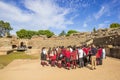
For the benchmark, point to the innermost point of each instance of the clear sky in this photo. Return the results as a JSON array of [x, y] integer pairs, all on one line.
[[58, 15]]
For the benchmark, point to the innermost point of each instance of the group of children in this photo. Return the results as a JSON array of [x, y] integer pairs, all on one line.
[[72, 57]]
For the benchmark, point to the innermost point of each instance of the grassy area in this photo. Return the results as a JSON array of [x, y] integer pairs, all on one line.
[[6, 59]]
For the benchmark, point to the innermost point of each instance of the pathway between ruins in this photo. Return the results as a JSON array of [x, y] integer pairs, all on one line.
[[32, 70]]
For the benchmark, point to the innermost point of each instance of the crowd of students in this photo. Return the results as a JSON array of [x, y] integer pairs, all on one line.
[[72, 57]]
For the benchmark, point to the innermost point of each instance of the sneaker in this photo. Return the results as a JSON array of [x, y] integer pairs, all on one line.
[[68, 68]]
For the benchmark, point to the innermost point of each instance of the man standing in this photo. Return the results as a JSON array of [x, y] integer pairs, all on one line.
[[93, 56]]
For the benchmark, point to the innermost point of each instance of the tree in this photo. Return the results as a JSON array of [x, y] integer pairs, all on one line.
[[71, 32], [5, 28], [94, 29], [28, 33], [22, 33], [114, 25], [62, 33], [31, 33], [48, 33]]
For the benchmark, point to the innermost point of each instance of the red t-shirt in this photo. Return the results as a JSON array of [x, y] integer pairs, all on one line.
[[53, 57], [74, 55], [63, 51], [99, 53], [86, 50], [67, 54]]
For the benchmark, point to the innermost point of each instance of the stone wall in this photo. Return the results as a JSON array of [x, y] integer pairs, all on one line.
[[51, 42], [113, 52], [108, 40], [100, 37]]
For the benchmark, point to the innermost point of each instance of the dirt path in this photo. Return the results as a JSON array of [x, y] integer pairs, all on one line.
[[31, 70]]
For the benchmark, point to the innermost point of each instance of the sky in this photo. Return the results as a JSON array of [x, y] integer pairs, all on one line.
[[59, 15]]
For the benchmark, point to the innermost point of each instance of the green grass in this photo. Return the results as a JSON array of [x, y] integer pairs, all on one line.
[[6, 59]]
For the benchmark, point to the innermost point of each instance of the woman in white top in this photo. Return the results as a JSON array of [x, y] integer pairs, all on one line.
[[103, 53], [81, 54], [44, 57]]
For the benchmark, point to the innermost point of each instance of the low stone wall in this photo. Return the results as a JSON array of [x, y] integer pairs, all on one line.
[[113, 52], [33, 51], [5, 52], [108, 40]]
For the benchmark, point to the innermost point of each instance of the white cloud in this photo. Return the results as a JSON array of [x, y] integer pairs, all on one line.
[[85, 24], [103, 25], [107, 9], [12, 13], [87, 21], [100, 12], [45, 14]]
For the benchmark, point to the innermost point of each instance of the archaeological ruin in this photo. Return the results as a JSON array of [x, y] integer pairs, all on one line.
[[110, 38]]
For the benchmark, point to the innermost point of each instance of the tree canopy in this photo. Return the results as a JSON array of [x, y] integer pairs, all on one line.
[[48, 33], [94, 29], [63, 33], [5, 28], [71, 32], [114, 25], [28, 33]]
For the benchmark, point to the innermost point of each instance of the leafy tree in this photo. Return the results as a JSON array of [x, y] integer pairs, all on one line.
[[71, 32], [22, 33], [28, 33], [5, 28], [94, 29], [114, 25], [48, 33], [31, 33], [62, 33]]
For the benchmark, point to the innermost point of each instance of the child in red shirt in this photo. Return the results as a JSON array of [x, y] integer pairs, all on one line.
[[67, 57], [99, 55], [53, 57], [74, 56]]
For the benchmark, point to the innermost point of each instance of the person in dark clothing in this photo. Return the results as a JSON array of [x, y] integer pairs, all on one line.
[[44, 57], [93, 57]]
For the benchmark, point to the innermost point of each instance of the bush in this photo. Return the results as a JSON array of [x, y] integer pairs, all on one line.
[[114, 25], [71, 32]]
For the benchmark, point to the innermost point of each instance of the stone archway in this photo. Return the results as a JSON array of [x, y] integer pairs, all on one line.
[[22, 45]]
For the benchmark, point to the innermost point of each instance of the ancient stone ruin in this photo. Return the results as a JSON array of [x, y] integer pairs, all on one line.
[[107, 37]]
